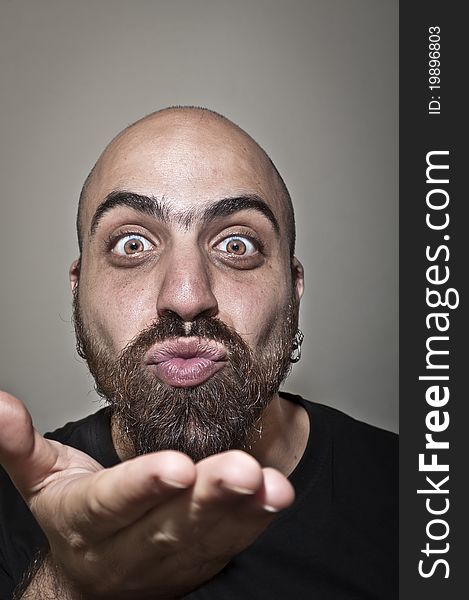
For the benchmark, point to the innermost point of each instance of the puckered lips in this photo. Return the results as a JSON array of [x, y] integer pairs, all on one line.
[[186, 361]]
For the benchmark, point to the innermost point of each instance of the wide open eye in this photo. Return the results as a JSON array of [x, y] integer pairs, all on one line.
[[237, 245], [131, 244]]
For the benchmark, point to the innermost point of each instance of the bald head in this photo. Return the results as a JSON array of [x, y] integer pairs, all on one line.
[[183, 136]]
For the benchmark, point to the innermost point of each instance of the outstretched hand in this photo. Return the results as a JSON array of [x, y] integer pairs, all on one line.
[[154, 526]]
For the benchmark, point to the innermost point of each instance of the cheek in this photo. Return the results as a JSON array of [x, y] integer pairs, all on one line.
[[117, 311], [252, 309]]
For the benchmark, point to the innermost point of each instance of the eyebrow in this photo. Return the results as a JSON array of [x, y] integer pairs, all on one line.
[[156, 208]]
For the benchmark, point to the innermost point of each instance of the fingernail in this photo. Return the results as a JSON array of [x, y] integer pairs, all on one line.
[[238, 489], [270, 509], [172, 483]]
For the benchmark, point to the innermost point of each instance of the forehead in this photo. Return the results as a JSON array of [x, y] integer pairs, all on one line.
[[188, 162]]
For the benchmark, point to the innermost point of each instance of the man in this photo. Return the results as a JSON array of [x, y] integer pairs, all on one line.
[[186, 298]]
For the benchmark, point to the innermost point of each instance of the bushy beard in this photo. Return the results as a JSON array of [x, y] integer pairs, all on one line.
[[222, 413]]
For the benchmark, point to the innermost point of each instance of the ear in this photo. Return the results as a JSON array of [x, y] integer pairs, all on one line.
[[74, 274], [298, 278]]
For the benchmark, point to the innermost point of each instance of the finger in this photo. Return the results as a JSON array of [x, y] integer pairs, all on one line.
[[276, 492], [26, 455], [230, 528], [236, 473], [227, 475], [223, 480], [230, 504], [232, 521], [115, 498]]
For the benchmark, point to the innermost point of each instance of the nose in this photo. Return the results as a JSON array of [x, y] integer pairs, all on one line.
[[187, 287]]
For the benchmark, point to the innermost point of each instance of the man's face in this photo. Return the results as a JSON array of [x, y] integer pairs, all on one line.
[[192, 291]]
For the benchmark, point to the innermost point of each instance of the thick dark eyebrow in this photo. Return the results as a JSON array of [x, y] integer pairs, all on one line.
[[144, 204], [156, 208], [229, 206]]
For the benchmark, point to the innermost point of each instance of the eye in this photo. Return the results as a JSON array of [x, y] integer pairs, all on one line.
[[237, 246], [131, 244]]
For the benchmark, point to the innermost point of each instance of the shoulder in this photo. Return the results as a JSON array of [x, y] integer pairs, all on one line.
[[344, 428], [363, 456], [355, 435], [351, 508]]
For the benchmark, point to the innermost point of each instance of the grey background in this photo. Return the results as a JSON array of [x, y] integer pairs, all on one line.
[[315, 82]]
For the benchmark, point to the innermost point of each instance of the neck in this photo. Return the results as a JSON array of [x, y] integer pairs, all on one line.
[[284, 435]]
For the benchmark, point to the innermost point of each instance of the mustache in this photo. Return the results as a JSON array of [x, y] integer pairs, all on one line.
[[171, 326]]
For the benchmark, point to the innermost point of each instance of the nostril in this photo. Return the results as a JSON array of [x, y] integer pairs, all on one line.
[[188, 316], [187, 290], [187, 307]]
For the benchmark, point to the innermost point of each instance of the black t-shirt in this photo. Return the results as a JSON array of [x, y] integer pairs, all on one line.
[[337, 541]]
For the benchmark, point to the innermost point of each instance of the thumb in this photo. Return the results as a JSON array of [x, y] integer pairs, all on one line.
[[24, 453]]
